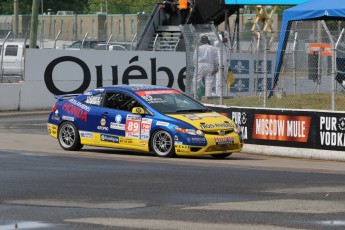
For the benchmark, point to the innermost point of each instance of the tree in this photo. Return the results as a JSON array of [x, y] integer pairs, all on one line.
[[122, 6], [79, 6]]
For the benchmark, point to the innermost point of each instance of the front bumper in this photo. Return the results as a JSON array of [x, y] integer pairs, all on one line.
[[215, 145]]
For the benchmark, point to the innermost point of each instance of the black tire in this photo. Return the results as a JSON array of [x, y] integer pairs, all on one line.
[[221, 156], [68, 137], [162, 144]]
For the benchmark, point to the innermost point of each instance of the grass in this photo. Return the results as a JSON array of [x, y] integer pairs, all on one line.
[[300, 101]]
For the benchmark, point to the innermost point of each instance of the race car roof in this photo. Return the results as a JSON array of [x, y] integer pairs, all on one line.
[[136, 87]]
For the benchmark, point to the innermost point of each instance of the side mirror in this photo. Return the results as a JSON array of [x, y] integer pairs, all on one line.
[[138, 110]]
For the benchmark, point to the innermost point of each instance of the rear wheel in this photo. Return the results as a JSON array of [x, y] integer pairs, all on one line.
[[162, 144], [68, 137], [220, 156]]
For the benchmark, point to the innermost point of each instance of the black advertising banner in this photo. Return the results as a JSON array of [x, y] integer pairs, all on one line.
[[301, 129], [330, 131]]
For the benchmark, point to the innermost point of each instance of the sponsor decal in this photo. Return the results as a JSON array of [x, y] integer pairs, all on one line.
[[80, 105], [162, 123], [153, 100], [332, 131], [196, 140], [281, 127], [175, 138], [125, 140], [109, 138], [118, 118], [224, 140], [85, 134], [178, 143], [204, 115], [102, 127], [94, 100], [192, 117], [214, 126], [146, 124], [67, 118], [76, 111], [182, 148], [142, 143], [117, 126], [55, 116], [152, 92], [133, 126], [103, 122]]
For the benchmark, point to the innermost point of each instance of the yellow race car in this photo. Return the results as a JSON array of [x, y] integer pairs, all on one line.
[[142, 117]]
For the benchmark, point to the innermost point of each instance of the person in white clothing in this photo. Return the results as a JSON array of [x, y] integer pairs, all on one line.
[[223, 54], [207, 59]]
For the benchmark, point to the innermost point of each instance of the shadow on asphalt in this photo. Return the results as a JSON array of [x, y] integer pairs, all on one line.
[[234, 156]]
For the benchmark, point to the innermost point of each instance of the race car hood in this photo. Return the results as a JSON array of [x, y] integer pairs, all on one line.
[[206, 121]]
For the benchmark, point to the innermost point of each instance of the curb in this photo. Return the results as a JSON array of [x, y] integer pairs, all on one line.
[[23, 113]]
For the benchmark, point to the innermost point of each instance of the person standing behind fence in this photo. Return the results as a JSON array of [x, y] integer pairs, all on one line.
[[170, 9], [184, 7], [223, 54], [207, 59]]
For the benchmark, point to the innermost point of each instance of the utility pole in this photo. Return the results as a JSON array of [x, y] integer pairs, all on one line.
[[34, 23], [15, 19]]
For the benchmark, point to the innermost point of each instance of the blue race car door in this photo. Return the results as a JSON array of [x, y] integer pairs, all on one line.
[[120, 125]]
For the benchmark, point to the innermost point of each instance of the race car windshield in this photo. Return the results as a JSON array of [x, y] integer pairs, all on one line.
[[174, 103]]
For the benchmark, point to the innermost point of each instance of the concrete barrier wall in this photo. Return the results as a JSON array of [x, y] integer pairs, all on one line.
[[50, 72], [10, 96]]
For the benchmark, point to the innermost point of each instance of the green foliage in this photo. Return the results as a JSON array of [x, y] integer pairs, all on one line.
[[122, 6], [81, 6]]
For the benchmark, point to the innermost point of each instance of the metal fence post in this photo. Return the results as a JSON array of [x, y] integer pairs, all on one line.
[[257, 63], [2, 55], [294, 67], [333, 63], [221, 64], [264, 63], [196, 69], [336, 48]]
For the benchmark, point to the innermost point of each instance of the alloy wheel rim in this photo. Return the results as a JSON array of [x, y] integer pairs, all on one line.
[[162, 143], [67, 136]]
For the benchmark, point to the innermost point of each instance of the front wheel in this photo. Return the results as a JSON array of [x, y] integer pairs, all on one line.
[[162, 144], [68, 137], [220, 156]]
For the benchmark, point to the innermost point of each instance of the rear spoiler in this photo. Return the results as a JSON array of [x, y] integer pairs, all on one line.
[[65, 96]]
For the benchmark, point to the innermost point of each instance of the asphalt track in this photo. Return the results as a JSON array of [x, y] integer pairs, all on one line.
[[44, 187]]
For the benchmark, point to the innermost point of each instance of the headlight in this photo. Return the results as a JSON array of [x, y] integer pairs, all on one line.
[[194, 132]]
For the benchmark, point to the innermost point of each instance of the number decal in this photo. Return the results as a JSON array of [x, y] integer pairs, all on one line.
[[133, 123], [132, 126]]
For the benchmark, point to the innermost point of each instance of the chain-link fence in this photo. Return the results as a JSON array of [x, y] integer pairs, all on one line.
[[311, 73], [312, 68], [206, 58]]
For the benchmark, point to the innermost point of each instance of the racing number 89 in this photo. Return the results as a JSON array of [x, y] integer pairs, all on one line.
[[132, 126]]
